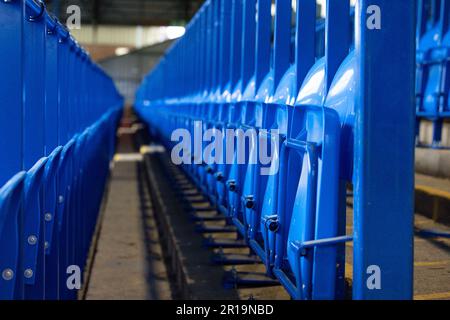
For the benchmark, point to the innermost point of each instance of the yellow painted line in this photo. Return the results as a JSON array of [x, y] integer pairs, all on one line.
[[433, 296], [423, 222], [127, 157], [349, 267], [433, 191], [441, 239], [432, 263], [143, 150], [416, 240], [348, 270]]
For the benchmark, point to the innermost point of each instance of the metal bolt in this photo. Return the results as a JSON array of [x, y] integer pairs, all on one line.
[[249, 202], [48, 217], [46, 244], [28, 273], [219, 176], [273, 226], [7, 274], [32, 240], [61, 199], [231, 185]]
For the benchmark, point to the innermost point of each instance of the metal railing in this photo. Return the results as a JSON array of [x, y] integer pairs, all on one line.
[[433, 61], [345, 119], [59, 116]]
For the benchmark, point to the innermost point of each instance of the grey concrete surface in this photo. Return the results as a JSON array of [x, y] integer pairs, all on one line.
[[432, 198], [433, 162], [132, 261], [128, 264]]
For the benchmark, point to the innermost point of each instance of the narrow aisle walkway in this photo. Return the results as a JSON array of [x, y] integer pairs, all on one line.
[[128, 263]]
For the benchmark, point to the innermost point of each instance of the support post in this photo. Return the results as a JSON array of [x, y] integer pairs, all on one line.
[[11, 14], [384, 150]]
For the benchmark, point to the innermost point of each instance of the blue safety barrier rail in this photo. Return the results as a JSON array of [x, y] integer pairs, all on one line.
[[344, 119], [433, 61], [59, 114]]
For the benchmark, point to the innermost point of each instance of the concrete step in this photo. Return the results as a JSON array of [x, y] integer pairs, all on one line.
[[432, 198]]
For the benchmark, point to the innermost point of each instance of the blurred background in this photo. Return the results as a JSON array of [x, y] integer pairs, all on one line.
[[127, 37]]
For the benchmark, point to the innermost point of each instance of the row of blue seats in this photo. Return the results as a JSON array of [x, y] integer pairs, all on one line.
[[433, 61], [292, 219], [59, 116], [335, 129]]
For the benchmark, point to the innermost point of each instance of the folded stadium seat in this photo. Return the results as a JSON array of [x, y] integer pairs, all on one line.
[[432, 59], [10, 210], [231, 70], [63, 216], [309, 166], [444, 107], [236, 72], [260, 189], [209, 88], [259, 89], [295, 219], [31, 279], [36, 214], [307, 209]]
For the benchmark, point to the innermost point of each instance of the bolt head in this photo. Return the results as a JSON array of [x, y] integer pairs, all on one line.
[[46, 244], [7, 274], [28, 273], [273, 226], [60, 199], [48, 217], [32, 240]]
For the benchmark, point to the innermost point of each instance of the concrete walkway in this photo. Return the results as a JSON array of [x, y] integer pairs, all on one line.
[[128, 264]]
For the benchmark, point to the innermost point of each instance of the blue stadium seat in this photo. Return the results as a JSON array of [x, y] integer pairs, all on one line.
[[321, 101], [57, 143], [433, 54]]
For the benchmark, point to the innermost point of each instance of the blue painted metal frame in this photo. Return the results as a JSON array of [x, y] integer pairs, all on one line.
[[384, 127], [11, 90], [57, 142], [433, 56], [335, 129]]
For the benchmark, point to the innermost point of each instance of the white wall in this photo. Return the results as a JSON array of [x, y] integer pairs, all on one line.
[[129, 36]]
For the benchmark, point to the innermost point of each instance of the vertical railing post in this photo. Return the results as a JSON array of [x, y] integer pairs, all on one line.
[[11, 14], [62, 84], [248, 41], [337, 37], [263, 47], [216, 44], [33, 94], [236, 43], [209, 45], [304, 39], [282, 40], [435, 11], [225, 42], [421, 22], [384, 150]]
